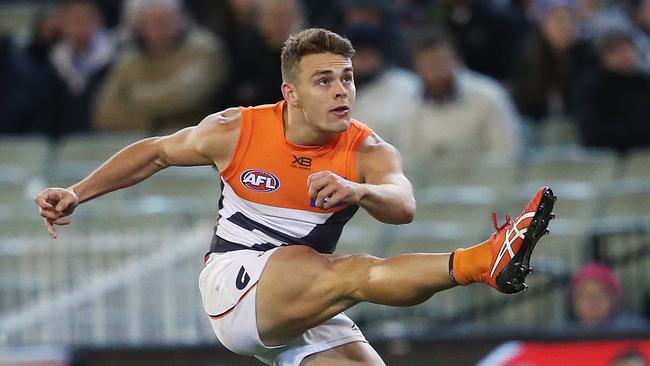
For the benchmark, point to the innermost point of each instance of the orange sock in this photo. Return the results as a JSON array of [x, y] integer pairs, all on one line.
[[469, 263]]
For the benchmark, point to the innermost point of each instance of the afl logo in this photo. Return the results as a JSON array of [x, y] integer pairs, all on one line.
[[259, 180]]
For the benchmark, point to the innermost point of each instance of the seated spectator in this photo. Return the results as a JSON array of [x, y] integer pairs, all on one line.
[[168, 80], [632, 17], [552, 64], [381, 15], [597, 300], [256, 58], [487, 33], [461, 113], [385, 94], [80, 61], [15, 103], [615, 109], [46, 32]]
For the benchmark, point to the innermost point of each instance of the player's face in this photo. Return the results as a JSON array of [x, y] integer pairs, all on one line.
[[325, 91]]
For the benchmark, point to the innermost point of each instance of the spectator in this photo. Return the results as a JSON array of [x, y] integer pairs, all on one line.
[[80, 61], [597, 299], [378, 14], [15, 102], [170, 78], [615, 109], [462, 113], [46, 32], [487, 35], [385, 94], [633, 17], [232, 19], [552, 65], [256, 58]]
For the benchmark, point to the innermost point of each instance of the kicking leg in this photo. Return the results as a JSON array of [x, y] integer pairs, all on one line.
[[301, 288]]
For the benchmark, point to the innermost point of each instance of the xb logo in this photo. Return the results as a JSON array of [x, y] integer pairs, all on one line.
[[242, 279], [301, 162]]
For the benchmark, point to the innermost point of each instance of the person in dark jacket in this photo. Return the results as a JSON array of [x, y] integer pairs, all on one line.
[[615, 108]]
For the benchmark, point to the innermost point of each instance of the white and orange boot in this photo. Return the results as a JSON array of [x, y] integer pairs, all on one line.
[[503, 261]]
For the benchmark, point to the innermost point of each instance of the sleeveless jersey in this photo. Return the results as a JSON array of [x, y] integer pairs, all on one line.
[[265, 200]]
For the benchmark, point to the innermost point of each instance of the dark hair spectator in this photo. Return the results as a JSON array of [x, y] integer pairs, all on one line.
[[381, 15], [552, 64], [615, 106], [16, 105], [487, 35], [80, 61], [168, 80], [385, 93], [460, 113], [255, 77]]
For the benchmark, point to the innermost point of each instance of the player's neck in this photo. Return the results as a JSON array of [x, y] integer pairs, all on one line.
[[298, 130]]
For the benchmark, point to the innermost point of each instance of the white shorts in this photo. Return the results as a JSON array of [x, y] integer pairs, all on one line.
[[228, 286]]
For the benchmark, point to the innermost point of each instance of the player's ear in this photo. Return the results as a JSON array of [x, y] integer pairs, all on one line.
[[289, 93]]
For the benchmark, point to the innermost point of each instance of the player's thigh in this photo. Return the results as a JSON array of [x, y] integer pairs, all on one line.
[[350, 354], [301, 288]]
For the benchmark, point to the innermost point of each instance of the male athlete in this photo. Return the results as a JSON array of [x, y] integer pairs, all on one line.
[[292, 174]]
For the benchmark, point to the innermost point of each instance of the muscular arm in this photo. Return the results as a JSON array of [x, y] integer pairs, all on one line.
[[386, 193], [211, 142]]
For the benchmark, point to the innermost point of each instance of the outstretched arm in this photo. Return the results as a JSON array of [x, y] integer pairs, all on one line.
[[211, 142], [385, 192]]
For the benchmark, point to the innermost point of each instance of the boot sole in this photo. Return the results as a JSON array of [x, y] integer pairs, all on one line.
[[512, 278]]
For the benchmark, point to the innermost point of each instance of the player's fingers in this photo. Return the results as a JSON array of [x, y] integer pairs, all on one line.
[[334, 199], [65, 202], [61, 221], [41, 201], [324, 195], [50, 228], [316, 176], [316, 186], [49, 213]]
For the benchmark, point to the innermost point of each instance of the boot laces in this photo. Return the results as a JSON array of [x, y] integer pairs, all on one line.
[[496, 222]]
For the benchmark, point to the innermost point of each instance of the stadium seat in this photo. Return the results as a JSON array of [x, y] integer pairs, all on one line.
[[571, 164], [22, 157], [637, 164]]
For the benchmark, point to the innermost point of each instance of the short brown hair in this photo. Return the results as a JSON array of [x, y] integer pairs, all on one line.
[[311, 41]]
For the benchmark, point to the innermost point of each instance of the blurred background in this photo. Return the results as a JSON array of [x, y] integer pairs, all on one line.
[[486, 99]]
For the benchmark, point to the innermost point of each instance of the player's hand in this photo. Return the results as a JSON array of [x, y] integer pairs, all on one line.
[[329, 190], [53, 205]]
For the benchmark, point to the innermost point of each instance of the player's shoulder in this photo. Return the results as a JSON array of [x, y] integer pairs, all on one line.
[[217, 129], [374, 144], [225, 120]]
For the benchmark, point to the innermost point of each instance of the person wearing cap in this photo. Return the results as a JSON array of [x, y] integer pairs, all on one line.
[[597, 299]]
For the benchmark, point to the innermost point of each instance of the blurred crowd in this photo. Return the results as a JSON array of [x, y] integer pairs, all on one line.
[[434, 77]]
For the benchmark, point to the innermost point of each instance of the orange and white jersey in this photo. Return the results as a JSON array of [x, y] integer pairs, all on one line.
[[265, 199]]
